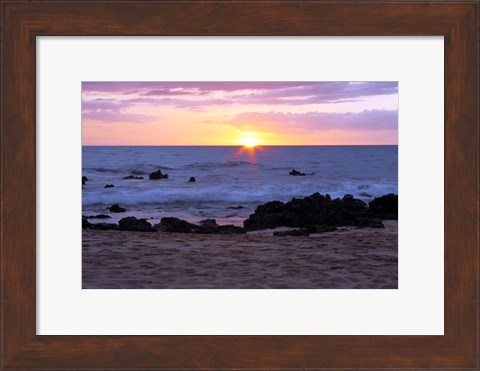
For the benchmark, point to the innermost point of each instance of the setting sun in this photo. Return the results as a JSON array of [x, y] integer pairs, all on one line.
[[249, 142]]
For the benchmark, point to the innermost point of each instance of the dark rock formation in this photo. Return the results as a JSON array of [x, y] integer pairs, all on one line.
[[158, 175], [131, 223], [171, 224], [314, 212], [210, 226], [109, 186], [84, 180], [99, 216], [85, 223], [296, 173], [104, 226], [192, 179], [369, 223], [132, 177], [385, 207], [115, 208], [207, 226], [98, 226], [236, 207]]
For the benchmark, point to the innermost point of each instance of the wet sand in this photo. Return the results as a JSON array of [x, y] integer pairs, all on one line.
[[348, 258]]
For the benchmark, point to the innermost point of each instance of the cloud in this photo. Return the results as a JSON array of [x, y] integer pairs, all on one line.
[[170, 92], [107, 110], [310, 122], [202, 94], [321, 92]]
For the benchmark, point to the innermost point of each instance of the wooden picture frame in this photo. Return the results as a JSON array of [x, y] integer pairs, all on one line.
[[23, 21]]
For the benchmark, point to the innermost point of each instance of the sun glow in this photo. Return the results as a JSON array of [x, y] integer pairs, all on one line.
[[249, 142]]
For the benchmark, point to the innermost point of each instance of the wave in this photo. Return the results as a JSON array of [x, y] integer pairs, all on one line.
[[137, 170], [228, 195], [226, 164]]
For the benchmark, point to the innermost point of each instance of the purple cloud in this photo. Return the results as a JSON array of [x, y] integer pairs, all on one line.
[[311, 122], [163, 92], [291, 93], [322, 92], [107, 110]]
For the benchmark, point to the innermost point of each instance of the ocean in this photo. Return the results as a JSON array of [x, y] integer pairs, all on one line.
[[230, 181]]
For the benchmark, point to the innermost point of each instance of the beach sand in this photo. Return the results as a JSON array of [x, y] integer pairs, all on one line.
[[348, 258]]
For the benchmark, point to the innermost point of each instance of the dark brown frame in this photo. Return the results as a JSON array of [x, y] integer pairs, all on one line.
[[22, 21]]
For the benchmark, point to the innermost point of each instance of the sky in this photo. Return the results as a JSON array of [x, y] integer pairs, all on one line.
[[239, 113]]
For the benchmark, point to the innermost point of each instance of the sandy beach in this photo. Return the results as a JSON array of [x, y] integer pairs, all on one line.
[[349, 258]]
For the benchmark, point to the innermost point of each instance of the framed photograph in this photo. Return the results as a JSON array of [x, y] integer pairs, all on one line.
[[217, 219], [264, 185]]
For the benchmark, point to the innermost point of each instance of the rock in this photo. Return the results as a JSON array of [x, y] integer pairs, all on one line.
[[293, 232], [85, 223], [314, 210], [131, 223], [133, 177], [171, 224], [296, 173], [353, 204], [158, 175], [84, 180], [109, 186], [99, 216], [192, 179], [385, 207], [208, 226], [369, 223], [104, 226], [115, 208], [236, 207]]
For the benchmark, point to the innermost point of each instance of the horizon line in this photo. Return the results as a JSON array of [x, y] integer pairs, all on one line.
[[232, 145]]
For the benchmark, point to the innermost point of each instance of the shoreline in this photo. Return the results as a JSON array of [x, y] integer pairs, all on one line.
[[315, 213]]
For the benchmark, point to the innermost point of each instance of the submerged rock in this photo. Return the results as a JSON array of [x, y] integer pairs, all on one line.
[[131, 223], [109, 186], [115, 208], [192, 179], [296, 173], [132, 177], [158, 175], [236, 207]]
